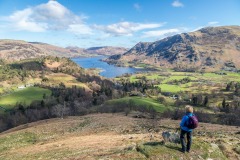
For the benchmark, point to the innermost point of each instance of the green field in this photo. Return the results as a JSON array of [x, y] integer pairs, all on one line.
[[199, 82], [26, 95], [1, 90], [141, 101], [171, 88]]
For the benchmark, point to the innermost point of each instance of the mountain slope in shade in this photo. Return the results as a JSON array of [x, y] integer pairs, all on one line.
[[210, 48], [75, 49], [107, 50]]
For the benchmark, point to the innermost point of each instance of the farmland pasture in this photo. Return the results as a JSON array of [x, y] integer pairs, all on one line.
[[139, 101], [198, 82], [66, 79], [187, 84], [171, 88], [26, 95]]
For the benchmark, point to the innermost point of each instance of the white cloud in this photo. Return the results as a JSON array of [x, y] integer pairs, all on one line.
[[213, 23], [198, 28], [177, 3], [209, 24], [160, 33], [48, 16], [19, 20], [80, 29], [126, 28], [137, 6]]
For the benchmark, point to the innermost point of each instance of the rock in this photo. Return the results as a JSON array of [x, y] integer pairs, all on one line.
[[171, 137], [200, 157]]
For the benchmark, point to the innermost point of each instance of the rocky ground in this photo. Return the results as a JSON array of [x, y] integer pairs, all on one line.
[[114, 136]]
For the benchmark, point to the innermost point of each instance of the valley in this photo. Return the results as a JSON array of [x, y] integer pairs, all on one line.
[[69, 105], [119, 80]]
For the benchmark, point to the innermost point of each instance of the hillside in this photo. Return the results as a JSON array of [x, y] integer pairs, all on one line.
[[77, 50], [209, 49], [104, 50], [12, 50], [107, 50], [17, 50], [108, 136]]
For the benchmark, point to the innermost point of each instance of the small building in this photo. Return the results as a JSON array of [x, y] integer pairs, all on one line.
[[175, 97], [21, 87]]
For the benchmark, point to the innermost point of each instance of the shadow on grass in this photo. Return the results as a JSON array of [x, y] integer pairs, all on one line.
[[153, 143], [177, 148], [173, 147], [168, 145]]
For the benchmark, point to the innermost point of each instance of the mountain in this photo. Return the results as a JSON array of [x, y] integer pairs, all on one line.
[[75, 49], [211, 48], [17, 50], [106, 50], [103, 50], [12, 50], [59, 51]]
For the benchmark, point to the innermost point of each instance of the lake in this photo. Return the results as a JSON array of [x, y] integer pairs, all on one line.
[[107, 70]]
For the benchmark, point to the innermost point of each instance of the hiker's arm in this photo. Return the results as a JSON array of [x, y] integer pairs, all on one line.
[[183, 121]]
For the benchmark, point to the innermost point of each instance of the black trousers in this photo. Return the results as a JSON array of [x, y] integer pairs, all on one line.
[[189, 140]]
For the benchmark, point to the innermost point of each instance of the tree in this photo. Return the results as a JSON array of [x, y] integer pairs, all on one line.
[[44, 95], [205, 102], [194, 100], [224, 103], [153, 112], [228, 87], [42, 103]]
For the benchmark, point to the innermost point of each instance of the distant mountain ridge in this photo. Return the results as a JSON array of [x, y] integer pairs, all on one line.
[[107, 50], [211, 48], [12, 50]]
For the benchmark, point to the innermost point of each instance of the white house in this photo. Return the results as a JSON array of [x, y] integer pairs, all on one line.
[[21, 87]]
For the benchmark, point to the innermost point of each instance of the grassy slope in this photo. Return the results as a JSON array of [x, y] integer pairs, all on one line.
[[26, 95], [139, 101], [68, 80], [170, 88], [107, 136], [34, 93]]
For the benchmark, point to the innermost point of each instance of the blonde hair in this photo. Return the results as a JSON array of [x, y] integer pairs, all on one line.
[[189, 108]]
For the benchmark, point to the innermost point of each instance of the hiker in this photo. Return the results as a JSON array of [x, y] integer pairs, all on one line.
[[188, 123]]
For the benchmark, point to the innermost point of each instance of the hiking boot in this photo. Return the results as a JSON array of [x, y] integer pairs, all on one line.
[[183, 151]]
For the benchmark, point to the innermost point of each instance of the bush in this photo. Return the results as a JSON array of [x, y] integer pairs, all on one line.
[[161, 100], [237, 149]]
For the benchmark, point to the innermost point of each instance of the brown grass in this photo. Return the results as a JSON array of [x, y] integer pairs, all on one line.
[[106, 136]]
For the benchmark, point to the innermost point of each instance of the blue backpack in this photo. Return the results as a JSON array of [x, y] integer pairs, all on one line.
[[192, 122]]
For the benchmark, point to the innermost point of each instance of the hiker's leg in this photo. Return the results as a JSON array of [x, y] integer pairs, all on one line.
[[183, 140], [189, 140]]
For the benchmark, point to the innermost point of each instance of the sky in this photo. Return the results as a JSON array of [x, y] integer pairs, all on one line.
[[89, 23]]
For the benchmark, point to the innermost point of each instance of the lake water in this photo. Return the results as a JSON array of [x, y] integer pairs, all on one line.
[[109, 71]]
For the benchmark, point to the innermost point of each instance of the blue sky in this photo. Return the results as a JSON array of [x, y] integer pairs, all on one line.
[[87, 23]]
